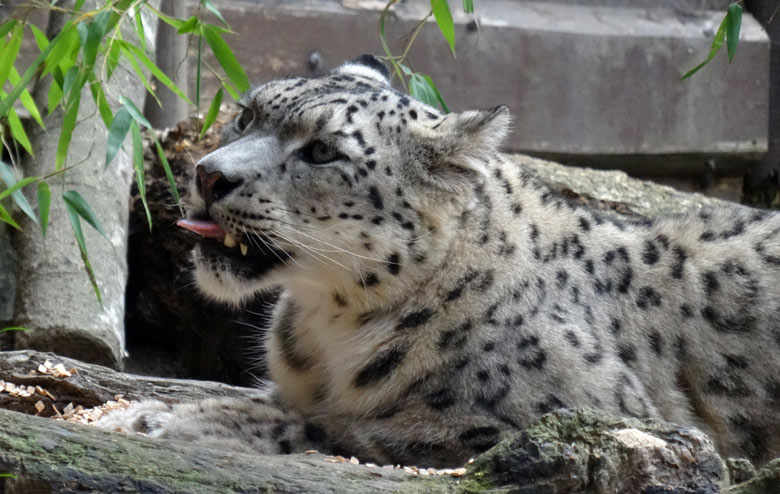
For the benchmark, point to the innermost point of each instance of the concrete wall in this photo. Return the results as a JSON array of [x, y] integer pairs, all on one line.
[[591, 84]]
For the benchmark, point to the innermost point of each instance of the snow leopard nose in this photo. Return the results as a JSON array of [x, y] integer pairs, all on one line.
[[213, 186]]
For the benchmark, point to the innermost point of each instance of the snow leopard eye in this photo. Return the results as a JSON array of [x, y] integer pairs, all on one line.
[[245, 119], [320, 153]]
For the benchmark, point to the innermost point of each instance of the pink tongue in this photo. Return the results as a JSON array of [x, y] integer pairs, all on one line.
[[205, 228]]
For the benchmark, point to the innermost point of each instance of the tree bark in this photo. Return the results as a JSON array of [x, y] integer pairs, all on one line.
[[54, 298], [171, 49]]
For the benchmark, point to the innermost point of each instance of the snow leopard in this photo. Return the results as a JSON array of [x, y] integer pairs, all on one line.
[[437, 297]]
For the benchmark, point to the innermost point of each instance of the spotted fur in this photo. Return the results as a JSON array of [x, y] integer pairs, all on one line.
[[437, 297]]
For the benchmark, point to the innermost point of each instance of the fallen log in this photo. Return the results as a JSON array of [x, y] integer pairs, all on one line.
[[563, 452]]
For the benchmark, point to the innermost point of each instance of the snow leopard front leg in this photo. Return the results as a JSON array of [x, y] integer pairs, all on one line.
[[258, 425]]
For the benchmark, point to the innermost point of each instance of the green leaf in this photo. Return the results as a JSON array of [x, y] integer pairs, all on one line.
[[6, 218], [5, 330], [443, 16], [6, 27], [138, 165], [117, 133], [66, 132], [27, 102], [44, 203], [55, 96], [226, 58], [7, 175], [171, 21], [91, 35], [468, 6], [17, 131], [155, 70], [62, 47], [9, 100], [9, 52], [135, 112], [139, 27], [18, 185], [141, 76], [74, 201], [112, 59], [419, 88], [438, 94], [717, 42], [7, 475], [168, 173], [211, 116], [99, 97], [75, 224], [197, 75], [71, 79], [189, 26], [209, 5], [40, 38], [734, 23]]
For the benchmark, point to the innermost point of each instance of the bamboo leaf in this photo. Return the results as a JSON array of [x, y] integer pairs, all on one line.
[[211, 116], [40, 38], [75, 201], [54, 97], [168, 173], [6, 27], [189, 26], [139, 27], [9, 52], [138, 165], [112, 59], [734, 24], [27, 102], [443, 16], [66, 133], [171, 21], [9, 100], [75, 224], [135, 112], [91, 35], [419, 89], [717, 42], [62, 47], [6, 218], [468, 6], [70, 80], [117, 133], [155, 70], [99, 97], [209, 5], [5, 330], [430, 82], [44, 204], [7, 175], [18, 185], [226, 58], [197, 75], [17, 131], [141, 76]]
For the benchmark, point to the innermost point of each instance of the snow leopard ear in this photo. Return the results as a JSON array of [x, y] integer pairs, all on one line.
[[366, 66], [460, 145]]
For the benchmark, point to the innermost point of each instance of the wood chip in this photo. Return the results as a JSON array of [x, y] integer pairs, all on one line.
[[354, 461], [39, 406], [311, 452]]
